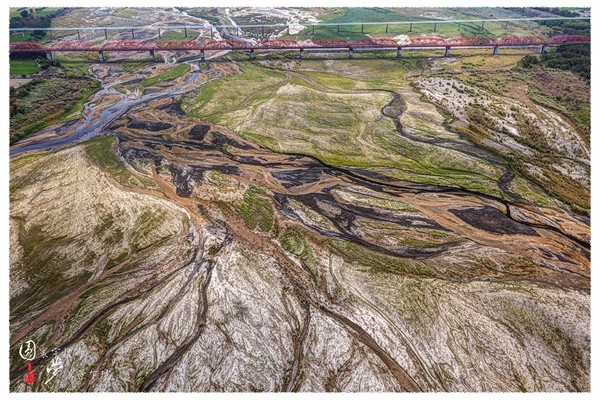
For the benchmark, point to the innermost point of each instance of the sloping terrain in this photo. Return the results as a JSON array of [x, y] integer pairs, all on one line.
[[320, 225]]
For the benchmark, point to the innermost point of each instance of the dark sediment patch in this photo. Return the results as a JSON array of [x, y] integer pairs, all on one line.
[[152, 126], [198, 132], [185, 178], [133, 153], [220, 139], [173, 108], [297, 177], [250, 160], [181, 180], [344, 221], [492, 220], [560, 256], [132, 81]]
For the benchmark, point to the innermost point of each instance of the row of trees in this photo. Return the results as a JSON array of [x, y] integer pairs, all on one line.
[[29, 18], [572, 58]]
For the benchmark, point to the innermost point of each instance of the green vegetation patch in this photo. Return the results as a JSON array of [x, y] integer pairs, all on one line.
[[229, 94], [42, 264], [170, 74], [571, 58], [100, 152], [256, 211], [134, 65], [33, 18], [44, 102], [337, 126], [294, 242], [382, 74], [377, 262], [23, 67]]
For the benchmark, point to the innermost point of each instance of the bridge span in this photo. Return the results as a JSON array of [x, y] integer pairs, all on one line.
[[319, 45]]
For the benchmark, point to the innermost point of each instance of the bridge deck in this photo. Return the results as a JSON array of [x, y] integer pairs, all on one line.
[[279, 44]]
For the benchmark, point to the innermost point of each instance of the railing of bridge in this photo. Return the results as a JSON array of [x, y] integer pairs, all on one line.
[[370, 43]]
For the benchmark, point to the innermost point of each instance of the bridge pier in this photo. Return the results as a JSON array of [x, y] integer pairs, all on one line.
[[159, 33], [496, 50], [543, 49], [184, 31], [386, 28], [49, 56], [105, 34], [350, 54], [399, 52], [459, 26], [252, 54], [132, 34], [101, 56], [202, 58], [447, 52], [435, 26], [302, 54], [410, 29], [152, 56], [78, 35]]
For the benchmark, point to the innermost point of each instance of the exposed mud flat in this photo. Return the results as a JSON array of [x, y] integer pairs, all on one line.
[[179, 256]]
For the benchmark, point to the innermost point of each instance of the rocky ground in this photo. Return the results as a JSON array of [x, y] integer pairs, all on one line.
[[222, 238]]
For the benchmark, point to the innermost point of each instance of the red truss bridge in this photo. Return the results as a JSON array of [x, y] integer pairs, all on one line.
[[369, 44]]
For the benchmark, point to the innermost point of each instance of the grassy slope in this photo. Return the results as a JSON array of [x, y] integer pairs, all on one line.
[[343, 129], [101, 154], [233, 91], [169, 74], [559, 91], [41, 103]]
